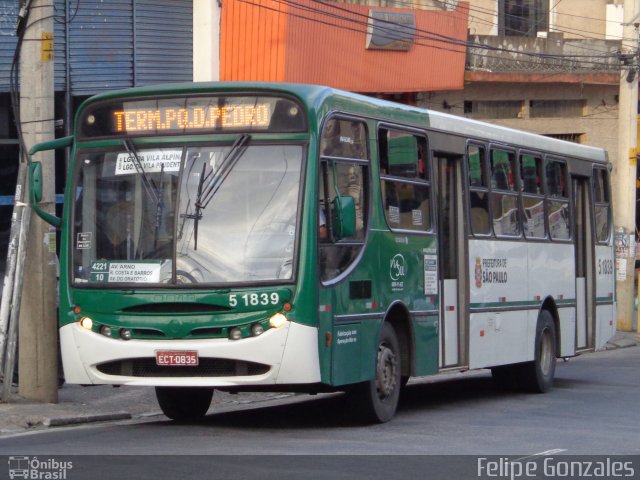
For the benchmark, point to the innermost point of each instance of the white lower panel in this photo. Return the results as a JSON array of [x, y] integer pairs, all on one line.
[[82, 350], [605, 324], [567, 331], [501, 338]]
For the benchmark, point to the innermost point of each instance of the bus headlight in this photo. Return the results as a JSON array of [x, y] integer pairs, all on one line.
[[277, 320], [86, 322], [105, 330], [125, 334]]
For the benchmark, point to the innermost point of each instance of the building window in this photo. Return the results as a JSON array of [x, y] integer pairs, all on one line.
[[523, 18], [493, 109], [568, 137], [556, 108]]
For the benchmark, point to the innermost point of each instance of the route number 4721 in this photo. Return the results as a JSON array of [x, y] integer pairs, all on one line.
[[253, 299]]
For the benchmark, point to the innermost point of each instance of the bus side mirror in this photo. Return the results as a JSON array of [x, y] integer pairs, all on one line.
[[344, 217], [35, 178], [36, 182]]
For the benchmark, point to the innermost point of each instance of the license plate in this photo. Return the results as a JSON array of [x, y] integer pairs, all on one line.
[[181, 358]]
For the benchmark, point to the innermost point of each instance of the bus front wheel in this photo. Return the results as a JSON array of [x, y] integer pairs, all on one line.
[[376, 401], [184, 403]]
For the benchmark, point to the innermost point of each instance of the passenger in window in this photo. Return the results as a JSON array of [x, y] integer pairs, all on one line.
[[422, 161], [115, 229], [479, 212], [322, 225], [500, 177]]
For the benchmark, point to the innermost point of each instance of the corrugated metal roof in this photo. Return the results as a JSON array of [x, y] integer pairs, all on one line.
[[328, 46], [164, 41], [101, 46], [8, 15], [59, 41], [253, 40], [101, 39]]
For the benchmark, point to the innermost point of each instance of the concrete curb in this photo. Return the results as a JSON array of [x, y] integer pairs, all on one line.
[[76, 420], [623, 340], [622, 343]]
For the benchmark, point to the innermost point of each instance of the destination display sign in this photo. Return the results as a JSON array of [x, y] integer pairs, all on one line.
[[191, 118], [192, 115]]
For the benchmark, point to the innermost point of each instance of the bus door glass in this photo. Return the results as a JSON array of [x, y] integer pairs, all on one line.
[[452, 255], [584, 250], [342, 195]]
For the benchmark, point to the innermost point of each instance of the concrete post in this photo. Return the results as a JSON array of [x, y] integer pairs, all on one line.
[[624, 173], [206, 40], [37, 344]]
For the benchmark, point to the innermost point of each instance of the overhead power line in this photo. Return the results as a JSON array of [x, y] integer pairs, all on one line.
[[492, 13], [359, 22]]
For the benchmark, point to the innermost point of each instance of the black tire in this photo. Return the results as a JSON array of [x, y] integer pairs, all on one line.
[[184, 403], [376, 401], [537, 376]]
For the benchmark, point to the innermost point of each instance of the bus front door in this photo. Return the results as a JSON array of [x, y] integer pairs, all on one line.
[[452, 253], [584, 266]]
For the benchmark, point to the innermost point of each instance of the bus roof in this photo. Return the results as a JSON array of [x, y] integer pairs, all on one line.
[[323, 100]]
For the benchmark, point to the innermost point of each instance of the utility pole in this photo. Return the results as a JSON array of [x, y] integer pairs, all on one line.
[[38, 350], [206, 40], [624, 169]]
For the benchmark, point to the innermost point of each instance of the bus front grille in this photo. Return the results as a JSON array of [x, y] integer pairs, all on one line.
[[207, 367]]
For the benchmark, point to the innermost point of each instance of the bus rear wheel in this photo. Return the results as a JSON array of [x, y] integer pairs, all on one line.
[[376, 401], [537, 376], [184, 403]]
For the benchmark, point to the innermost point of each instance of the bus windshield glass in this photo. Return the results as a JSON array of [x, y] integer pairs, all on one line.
[[221, 214]]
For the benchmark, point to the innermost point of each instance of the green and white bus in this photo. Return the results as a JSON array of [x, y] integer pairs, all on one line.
[[281, 237]]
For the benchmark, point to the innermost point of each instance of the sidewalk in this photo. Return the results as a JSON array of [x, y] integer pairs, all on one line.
[[100, 403], [81, 405]]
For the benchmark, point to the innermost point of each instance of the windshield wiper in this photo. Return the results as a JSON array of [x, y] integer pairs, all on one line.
[[228, 163], [154, 193], [149, 186], [159, 209], [211, 182]]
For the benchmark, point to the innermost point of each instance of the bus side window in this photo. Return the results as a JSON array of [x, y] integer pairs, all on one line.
[[602, 201], [504, 197], [343, 175], [344, 138], [557, 201], [478, 190], [404, 180], [531, 173], [532, 198]]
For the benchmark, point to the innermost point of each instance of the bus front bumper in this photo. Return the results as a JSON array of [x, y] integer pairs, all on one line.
[[286, 355]]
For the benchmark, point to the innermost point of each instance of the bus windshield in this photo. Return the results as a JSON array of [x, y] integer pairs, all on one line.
[[214, 214]]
